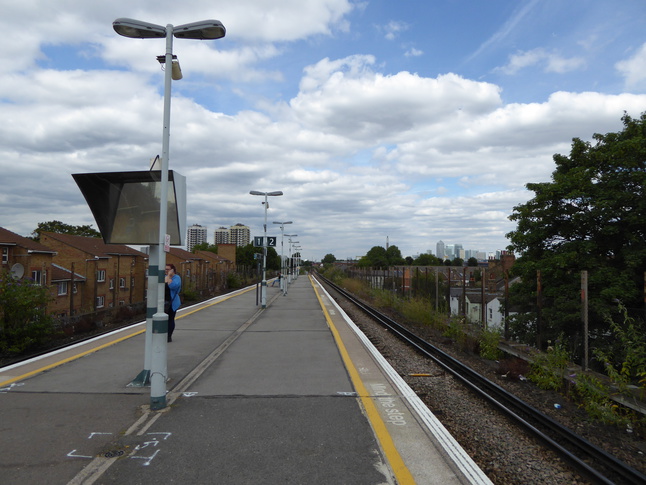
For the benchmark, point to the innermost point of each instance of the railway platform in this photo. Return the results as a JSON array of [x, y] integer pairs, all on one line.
[[293, 393]]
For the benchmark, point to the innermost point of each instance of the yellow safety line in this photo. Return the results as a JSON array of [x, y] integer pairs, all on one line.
[[70, 359], [95, 349], [401, 471]]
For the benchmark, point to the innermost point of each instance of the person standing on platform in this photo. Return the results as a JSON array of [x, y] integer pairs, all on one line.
[[277, 279], [171, 299]]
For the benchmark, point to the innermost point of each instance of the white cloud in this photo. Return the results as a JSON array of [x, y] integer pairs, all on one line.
[[634, 69], [412, 52], [550, 62], [347, 97], [361, 153], [393, 28]]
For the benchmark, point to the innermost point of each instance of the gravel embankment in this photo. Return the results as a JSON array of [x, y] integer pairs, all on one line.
[[505, 453]]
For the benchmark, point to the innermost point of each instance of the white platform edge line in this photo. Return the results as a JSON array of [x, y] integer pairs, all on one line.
[[114, 332], [463, 461]]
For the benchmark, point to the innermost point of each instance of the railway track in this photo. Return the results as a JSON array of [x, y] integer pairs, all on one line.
[[588, 459]]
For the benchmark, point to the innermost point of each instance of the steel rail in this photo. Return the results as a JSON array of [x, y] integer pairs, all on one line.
[[511, 405]]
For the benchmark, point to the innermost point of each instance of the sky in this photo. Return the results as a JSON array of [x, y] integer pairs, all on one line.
[[382, 122]]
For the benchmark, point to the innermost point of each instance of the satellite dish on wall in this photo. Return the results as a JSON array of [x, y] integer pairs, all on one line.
[[17, 271]]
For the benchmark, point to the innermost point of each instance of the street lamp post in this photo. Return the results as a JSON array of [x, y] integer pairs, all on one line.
[[263, 285], [298, 261], [289, 270], [293, 245], [283, 283], [157, 331]]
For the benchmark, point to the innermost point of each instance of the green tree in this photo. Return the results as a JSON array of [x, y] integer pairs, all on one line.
[[62, 228], [24, 322], [457, 262], [212, 248], [375, 258], [472, 262], [328, 258], [380, 258], [591, 216], [427, 260], [245, 257], [273, 259], [394, 256]]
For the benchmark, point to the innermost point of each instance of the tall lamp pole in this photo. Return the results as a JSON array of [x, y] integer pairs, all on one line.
[[298, 261], [283, 285], [289, 268], [293, 261], [263, 285], [157, 331]]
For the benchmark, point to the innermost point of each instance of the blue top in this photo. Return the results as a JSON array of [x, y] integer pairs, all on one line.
[[175, 286]]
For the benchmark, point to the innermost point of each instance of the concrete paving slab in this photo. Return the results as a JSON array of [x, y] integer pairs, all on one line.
[[49, 438], [299, 440]]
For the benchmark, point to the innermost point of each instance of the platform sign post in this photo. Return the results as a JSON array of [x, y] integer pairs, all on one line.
[[263, 284]]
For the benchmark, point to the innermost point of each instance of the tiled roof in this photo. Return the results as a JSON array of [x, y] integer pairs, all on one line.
[[8, 238], [183, 254], [63, 274], [94, 245], [210, 256]]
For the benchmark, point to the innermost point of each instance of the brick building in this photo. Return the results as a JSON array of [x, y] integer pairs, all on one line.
[[228, 252], [24, 258], [115, 274]]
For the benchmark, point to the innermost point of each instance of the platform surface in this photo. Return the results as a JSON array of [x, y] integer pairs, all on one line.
[[288, 394]]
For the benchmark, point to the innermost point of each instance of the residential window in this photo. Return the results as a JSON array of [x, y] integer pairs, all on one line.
[[100, 301], [5, 255], [37, 276], [122, 282], [100, 275], [62, 288]]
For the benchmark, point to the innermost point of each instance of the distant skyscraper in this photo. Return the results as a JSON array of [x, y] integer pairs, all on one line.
[[240, 235], [440, 250], [195, 234], [222, 236], [458, 251]]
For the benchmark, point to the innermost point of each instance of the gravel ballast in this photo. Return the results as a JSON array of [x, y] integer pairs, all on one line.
[[503, 451]]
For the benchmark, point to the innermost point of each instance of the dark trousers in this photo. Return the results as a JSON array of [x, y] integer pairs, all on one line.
[[171, 322]]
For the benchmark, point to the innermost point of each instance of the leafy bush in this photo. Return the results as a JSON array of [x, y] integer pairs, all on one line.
[[626, 364], [234, 280], [189, 294], [334, 274], [354, 286], [455, 329], [385, 299], [489, 341], [24, 322], [594, 397], [418, 310], [548, 369]]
